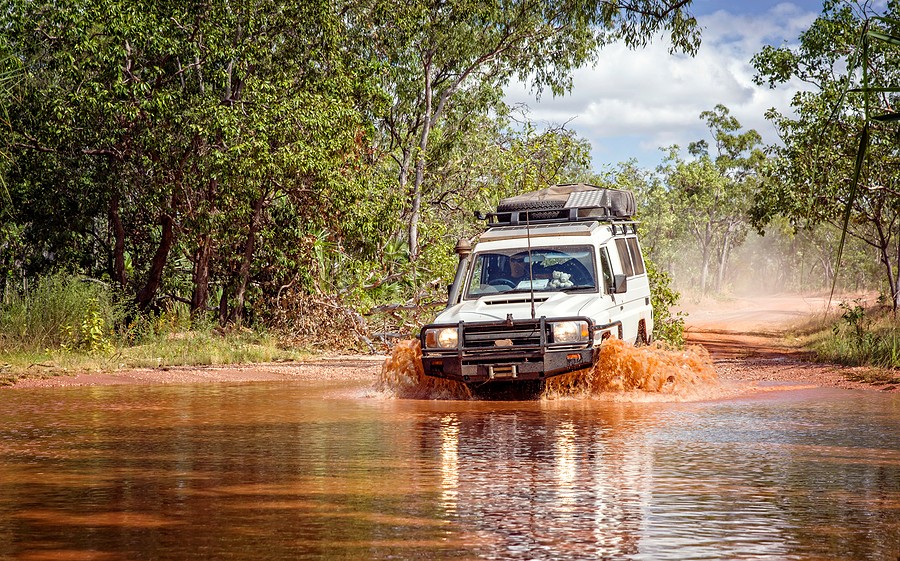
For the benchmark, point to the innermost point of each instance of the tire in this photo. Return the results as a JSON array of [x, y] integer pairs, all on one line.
[[642, 338]]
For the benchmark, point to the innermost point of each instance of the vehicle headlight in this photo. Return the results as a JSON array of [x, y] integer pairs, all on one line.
[[570, 331], [443, 337]]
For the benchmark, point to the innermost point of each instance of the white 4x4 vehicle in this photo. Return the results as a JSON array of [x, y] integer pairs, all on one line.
[[556, 273]]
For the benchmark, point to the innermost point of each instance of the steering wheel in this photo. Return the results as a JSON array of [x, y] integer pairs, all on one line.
[[504, 282]]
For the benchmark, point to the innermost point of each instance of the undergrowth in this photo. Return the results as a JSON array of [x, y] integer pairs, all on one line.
[[64, 323], [859, 337]]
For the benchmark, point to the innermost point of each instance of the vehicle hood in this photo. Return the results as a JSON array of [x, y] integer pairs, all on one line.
[[497, 307]]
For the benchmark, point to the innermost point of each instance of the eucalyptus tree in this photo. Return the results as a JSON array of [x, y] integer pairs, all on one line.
[[838, 161], [739, 160], [165, 133], [443, 53], [711, 192]]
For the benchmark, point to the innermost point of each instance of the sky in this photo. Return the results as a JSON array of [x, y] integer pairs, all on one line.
[[632, 103]]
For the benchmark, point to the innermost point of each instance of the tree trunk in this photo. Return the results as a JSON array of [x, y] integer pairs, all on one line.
[[200, 277], [403, 177], [115, 222], [723, 259], [237, 310], [146, 295], [884, 248], [705, 246], [419, 180], [223, 306], [897, 280]]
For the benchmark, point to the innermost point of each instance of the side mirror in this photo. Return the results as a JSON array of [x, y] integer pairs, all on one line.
[[620, 284]]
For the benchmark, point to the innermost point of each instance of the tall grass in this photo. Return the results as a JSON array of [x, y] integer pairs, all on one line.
[[64, 323], [860, 337], [58, 312]]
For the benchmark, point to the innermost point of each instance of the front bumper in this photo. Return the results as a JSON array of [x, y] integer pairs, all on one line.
[[511, 350]]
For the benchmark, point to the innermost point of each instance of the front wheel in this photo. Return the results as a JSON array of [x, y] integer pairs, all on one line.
[[642, 338]]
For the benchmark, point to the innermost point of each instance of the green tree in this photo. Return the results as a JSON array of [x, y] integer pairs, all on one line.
[[446, 63], [739, 161], [163, 135], [837, 165], [709, 196]]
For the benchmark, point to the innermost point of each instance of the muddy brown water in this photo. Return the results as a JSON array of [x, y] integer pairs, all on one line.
[[338, 470]]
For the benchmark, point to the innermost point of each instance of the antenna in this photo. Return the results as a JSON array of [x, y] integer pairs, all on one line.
[[530, 260]]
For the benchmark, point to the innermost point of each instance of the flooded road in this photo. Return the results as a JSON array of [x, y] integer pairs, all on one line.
[[332, 470]]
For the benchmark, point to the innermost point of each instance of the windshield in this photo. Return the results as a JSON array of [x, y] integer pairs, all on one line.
[[553, 269]]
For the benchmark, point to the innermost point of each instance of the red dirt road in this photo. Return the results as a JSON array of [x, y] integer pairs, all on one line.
[[750, 327], [747, 339]]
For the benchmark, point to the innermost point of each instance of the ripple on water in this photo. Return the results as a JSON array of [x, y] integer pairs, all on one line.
[[622, 372]]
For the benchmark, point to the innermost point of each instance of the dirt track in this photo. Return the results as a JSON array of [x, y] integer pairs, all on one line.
[[746, 339], [744, 336]]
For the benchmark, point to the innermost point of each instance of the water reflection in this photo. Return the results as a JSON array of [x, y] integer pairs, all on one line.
[[276, 471], [449, 462]]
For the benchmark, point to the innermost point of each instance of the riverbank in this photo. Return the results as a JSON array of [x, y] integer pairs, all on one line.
[[748, 339]]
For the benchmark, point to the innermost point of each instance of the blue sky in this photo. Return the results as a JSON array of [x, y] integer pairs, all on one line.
[[631, 103]]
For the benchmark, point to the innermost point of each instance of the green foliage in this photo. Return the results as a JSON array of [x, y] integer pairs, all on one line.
[[445, 66], [861, 337], [837, 164], [177, 128], [92, 335], [668, 325], [224, 154], [58, 312]]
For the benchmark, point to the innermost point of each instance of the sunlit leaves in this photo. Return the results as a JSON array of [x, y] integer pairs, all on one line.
[[838, 162]]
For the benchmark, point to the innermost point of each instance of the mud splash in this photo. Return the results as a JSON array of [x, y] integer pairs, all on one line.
[[622, 372], [656, 370], [402, 376]]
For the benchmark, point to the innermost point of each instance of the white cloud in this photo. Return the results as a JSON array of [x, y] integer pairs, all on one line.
[[633, 102]]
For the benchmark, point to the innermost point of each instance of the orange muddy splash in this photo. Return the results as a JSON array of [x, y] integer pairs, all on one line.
[[402, 375], [640, 371], [622, 371]]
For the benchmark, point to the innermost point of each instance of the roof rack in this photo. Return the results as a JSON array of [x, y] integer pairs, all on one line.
[[570, 202], [551, 216]]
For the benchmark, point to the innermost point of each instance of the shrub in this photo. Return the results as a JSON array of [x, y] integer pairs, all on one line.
[[861, 337], [667, 325], [59, 311]]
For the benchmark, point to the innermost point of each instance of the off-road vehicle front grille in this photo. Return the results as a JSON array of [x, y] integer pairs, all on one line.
[[518, 335]]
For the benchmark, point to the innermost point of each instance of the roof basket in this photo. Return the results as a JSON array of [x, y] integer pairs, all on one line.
[[564, 203]]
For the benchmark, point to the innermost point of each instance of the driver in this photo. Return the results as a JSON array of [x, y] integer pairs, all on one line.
[[518, 270]]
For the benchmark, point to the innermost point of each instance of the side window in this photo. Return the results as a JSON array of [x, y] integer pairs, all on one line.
[[636, 258], [624, 257], [607, 269], [478, 273]]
